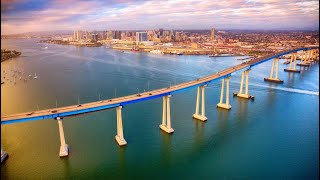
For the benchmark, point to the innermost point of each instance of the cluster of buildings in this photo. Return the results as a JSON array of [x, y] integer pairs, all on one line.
[[192, 42], [166, 41], [138, 36]]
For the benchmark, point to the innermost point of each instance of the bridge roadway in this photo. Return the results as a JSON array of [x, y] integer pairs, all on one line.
[[121, 101]]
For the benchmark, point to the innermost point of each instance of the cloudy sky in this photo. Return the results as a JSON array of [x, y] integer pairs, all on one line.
[[19, 16]]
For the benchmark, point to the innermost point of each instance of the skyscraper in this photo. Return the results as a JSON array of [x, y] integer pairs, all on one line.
[[141, 36], [212, 34], [161, 32], [117, 35], [75, 36], [94, 37]]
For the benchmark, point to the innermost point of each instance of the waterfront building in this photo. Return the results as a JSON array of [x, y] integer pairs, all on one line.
[[117, 35], [141, 36], [94, 37]]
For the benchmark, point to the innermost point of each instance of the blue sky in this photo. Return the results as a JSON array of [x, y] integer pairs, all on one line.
[[20, 16]]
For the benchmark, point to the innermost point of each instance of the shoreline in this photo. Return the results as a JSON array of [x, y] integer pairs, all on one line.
[[9, 54]]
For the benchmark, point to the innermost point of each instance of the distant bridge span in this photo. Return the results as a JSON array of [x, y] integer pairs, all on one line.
[[121, 101]]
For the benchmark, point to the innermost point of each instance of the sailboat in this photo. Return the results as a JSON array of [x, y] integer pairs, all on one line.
[[35, 76]]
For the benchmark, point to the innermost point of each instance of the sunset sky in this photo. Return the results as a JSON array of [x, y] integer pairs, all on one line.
[[18, 16]]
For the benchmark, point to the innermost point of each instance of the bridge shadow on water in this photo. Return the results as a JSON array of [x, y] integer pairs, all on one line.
[[199, 132], [67, 169], [122, 161], [290, 78], [166, 147]]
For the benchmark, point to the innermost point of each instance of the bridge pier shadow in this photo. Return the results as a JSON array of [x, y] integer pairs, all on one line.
[[66, 167], [166, 146], [122, 161], [199, 132], [291, 76], [242, 111], [222, 118]]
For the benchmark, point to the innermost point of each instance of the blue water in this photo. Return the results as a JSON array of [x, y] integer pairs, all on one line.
[[276, 136]]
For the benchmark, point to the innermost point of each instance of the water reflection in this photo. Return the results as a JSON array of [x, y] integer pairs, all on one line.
[[290, 78], [165, 149], [199, 132], [67, 170], [242, 107], [121, 167], [222, 118]]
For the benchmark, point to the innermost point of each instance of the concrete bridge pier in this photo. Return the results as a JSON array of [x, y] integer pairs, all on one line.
[[119, 137], [303, 61], [245, 74], [197, 115], [293, 64], [4, 154], [64, 148], [315, 55], [275, 62], [308, 60], [166, 121], [221, 104], [311, 59]]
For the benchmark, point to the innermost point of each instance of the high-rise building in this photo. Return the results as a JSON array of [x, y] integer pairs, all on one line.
[[161, 32], [94, 37], [141, 36], [74, 35], [102, 35], [212, 34], [109, 35], [117, 35], [78, 35], [88, 38]]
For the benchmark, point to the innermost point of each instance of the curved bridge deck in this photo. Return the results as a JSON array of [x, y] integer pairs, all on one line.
[[120, 101]]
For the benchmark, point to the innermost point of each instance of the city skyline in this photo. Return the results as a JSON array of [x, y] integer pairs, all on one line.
[[32, 16]]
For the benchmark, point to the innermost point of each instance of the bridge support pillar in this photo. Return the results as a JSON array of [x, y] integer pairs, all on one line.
[[315, 55], [119, 137], [303, 61], [221, 104], [311, 58], [197, 115], [245, 74], [166, 121], [64, 148], [275, 63], [293, 64], [4, 154]]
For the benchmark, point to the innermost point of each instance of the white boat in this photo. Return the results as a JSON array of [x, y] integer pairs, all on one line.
[[35, 76], [45, 47]]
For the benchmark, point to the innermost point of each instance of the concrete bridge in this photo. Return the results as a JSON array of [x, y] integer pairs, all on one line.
[[309, 55]]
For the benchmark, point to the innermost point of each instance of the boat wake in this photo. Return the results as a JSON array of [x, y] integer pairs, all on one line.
[[301, 91]]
